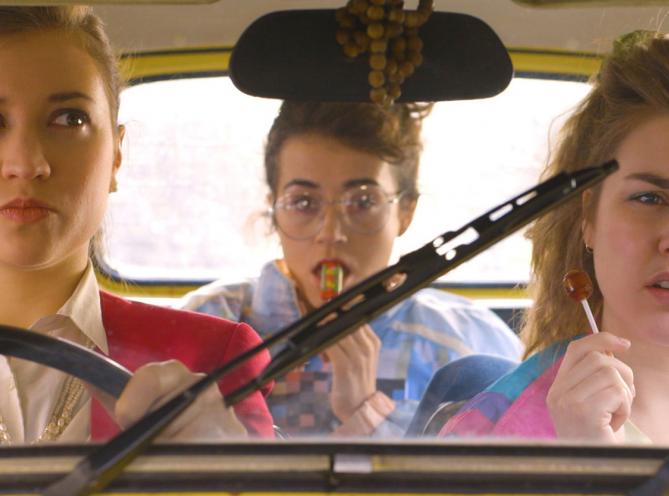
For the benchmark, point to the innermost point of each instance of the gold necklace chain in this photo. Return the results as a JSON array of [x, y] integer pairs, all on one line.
[[61, 415]]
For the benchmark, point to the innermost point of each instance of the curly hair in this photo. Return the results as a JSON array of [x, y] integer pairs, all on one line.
[[391, 133], [632, 85]]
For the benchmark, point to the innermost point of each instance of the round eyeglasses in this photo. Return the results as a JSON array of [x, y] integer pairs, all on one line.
[[300, 212]]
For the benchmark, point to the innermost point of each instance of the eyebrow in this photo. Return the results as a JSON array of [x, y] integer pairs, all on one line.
[[61, 97], [70, 95], [659, 181], [348, 184], [360, 182], [300, 182]]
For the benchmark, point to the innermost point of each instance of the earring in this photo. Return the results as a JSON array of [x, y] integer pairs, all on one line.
[[588, 249], [113, 186]]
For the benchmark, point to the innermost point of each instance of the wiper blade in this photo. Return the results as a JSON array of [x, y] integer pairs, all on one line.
[[372, 296], [319, 329]]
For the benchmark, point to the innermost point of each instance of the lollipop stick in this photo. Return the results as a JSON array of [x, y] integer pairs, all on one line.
[[591, 319]]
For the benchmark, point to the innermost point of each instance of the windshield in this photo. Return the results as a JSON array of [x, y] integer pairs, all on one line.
[[227, 218]]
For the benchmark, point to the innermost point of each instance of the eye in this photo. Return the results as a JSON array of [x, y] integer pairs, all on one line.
[[649, 198], [2, 121], [302, 203], [363, 201], [71, 118]]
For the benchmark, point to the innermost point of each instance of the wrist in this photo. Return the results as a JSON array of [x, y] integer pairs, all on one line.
[[367, 417]]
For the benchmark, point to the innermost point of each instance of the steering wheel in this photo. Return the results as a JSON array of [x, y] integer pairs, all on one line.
[[93, 368]]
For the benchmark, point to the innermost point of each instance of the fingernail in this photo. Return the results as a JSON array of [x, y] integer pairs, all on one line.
[[624, 342]]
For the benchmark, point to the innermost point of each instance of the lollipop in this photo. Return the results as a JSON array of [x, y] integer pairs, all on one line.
[[332, 280], [578, 286]]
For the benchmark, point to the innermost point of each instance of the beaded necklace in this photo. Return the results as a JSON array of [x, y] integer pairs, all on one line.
[[389, 33]]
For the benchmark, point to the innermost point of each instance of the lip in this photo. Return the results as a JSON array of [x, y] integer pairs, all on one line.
[[25, 210], [660, 295]]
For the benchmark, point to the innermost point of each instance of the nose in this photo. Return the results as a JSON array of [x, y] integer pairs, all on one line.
[[22, 155], [332, 229], [663, 242]]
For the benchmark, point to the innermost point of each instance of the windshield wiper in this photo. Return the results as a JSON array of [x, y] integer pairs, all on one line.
[[320, 329]]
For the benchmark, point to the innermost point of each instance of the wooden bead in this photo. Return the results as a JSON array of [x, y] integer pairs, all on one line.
[[362, 40], [376, 79], [391, 66], [414, 43], [376, 13], [396, 15], [394, 29], [411, 20], [406, 69], [398, 46], [358, 6], [343, 36], [394, 91], [378, 95], [351, 50], [377, 61], [375, 30], [378, 46]]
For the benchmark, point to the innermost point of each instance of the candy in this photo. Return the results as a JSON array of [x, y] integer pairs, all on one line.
[[577, 284], [332, 280]]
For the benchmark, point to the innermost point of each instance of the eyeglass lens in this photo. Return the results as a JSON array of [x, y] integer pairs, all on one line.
[[300, 212]]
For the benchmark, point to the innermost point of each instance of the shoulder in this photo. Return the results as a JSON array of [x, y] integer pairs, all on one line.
[[440, 315], [219, 298], [447, 306], [132, 321]]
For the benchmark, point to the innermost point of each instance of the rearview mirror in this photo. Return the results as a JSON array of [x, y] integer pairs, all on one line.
[[294, 55]]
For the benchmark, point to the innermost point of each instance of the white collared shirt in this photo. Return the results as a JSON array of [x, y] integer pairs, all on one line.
[[34, 389]]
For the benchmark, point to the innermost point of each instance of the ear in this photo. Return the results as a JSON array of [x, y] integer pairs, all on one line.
[[406, 210], [586, 218], [118, 156]]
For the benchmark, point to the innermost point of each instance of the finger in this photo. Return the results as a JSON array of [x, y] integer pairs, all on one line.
[[361, 343], [589, 364], [150, 386], [206, 419], [337, 354], [617, 403], [601, 379], [601, 342]]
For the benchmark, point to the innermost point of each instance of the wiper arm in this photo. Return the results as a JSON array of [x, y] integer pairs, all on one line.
[[318, 330]]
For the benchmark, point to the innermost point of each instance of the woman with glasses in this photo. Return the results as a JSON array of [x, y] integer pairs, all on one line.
[[343, 187]]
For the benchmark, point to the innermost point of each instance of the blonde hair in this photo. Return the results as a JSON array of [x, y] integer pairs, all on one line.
[[81, 22], [632, 85]]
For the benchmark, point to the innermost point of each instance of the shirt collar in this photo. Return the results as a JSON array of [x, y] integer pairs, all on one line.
[[83, 309]]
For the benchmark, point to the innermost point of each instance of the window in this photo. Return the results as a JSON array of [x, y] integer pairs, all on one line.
[[200, 142]]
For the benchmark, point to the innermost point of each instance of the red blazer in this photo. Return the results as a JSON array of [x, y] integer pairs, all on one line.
[[138, 334]]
